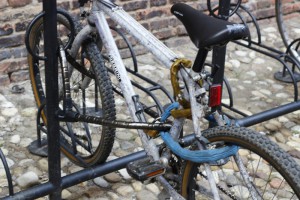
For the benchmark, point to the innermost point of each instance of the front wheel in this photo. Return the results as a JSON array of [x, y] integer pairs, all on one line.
[[271, 173], [84, 144]]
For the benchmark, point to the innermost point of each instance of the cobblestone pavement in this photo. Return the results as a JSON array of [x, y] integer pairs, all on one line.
[[249, 73]]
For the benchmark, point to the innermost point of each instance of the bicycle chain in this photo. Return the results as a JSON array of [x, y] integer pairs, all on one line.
[[230, 194]]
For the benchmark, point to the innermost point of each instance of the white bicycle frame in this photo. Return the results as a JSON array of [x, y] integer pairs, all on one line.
[[103, 8], [156, 47]]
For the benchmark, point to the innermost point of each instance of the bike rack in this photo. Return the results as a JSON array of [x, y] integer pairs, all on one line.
[[288, 73], [282, 76], [56, 183]]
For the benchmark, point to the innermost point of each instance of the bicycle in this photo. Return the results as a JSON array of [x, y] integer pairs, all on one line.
[[182, 164], [67, 29]]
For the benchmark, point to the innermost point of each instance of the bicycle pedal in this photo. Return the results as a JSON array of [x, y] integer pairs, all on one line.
[[145, 168]]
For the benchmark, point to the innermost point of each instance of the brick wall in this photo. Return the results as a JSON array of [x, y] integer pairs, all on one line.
[[153, 14]]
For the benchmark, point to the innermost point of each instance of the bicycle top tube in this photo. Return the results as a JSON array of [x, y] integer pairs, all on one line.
[[140, 33], [109, 3]]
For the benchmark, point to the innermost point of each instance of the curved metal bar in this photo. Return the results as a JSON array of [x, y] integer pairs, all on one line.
[[245, 24], [27, 34], [254, 22], [291, 44], [152, 83], [147, 91], [229, 91], [297, 50], [234, 110], [155, 99], [7, 172], [292, 77], [292, 52], [292, 60], [266, 47], [298, 45], [147, 110], [38, 17]]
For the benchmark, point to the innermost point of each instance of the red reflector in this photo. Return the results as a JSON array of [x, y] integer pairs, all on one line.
[[215, 95]]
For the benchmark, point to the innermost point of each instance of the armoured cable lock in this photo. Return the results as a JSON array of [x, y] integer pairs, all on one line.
[[199, 156]]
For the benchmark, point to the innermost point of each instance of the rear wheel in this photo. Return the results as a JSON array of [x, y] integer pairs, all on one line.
[[272, 173], [85, 144]]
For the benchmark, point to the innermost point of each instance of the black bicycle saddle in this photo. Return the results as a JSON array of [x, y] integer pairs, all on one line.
[[206, 31]]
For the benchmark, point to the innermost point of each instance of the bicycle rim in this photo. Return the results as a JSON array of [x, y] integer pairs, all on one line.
[[84, 144], [272, 172]]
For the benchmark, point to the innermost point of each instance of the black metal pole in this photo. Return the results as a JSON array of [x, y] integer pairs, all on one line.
[[268, 114], [51, 73], [78, 177], [219, 53]]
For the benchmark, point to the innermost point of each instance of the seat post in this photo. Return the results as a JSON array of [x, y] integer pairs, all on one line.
[[200, 59], [219, 53]]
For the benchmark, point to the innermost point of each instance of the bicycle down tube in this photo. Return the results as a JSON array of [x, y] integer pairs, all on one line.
[[155, 46]]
